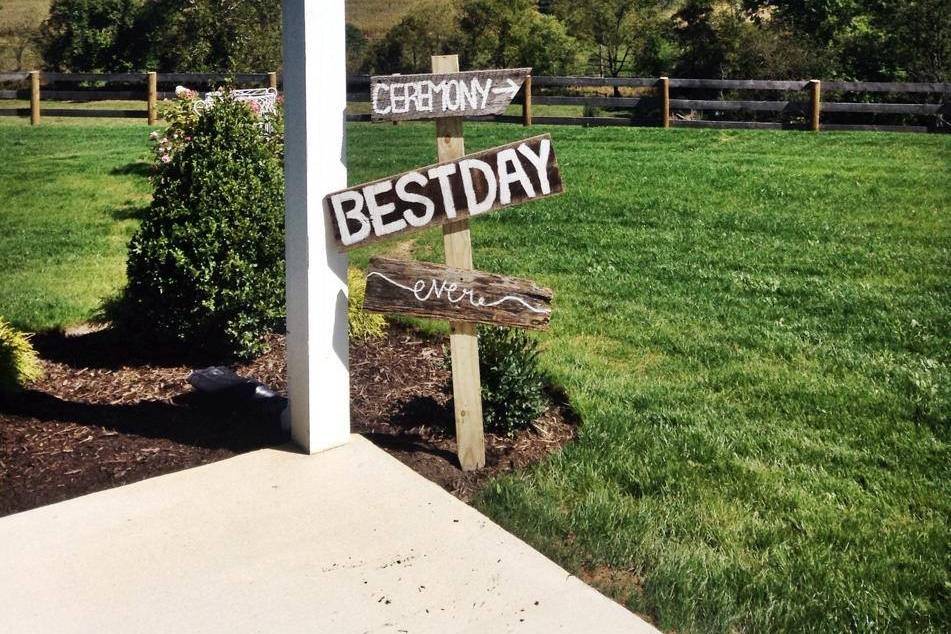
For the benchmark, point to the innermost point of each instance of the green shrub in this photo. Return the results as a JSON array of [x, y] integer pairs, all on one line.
[[512, 384], [19, 363], [363, 324], [206, 267]]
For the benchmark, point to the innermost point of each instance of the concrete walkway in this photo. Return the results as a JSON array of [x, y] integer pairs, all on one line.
[[273, 541]]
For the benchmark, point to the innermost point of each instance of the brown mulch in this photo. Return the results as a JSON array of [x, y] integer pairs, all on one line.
[[104, 415]]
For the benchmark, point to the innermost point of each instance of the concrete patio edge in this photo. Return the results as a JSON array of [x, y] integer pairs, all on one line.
[[349, 540]]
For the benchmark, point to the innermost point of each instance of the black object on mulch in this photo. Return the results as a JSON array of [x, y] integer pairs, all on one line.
[[104, 415]]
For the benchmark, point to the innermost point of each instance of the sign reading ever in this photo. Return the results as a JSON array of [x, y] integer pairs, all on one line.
[[446, 192], [441, 292], [473, 93]]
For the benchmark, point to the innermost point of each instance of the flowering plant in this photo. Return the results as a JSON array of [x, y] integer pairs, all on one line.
[[183, 113]]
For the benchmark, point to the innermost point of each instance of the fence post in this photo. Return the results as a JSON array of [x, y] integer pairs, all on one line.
[[153, 98], [34, 97], [527, 102], [815, 89], [665, 101], [272, 81]]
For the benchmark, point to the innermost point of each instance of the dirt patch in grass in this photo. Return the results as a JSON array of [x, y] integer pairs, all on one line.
[[105, 415]]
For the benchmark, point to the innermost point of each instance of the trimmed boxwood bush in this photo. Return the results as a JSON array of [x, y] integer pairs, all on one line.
[[206, 267], [512, 383], [19, 363]]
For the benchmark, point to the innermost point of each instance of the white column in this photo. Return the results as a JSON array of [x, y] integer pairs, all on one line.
[[315, 96]]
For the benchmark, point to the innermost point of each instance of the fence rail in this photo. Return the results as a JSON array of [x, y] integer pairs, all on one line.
[[799, 105]]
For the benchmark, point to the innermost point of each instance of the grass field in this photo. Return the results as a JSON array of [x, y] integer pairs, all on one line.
[[70, 197], [753, 326]]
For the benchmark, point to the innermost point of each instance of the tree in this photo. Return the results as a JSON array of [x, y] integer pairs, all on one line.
[[429, 29], [357, 45], [180, 35], [88, 35], [725, 40], [20, 38], [210, 35], [506, 33]]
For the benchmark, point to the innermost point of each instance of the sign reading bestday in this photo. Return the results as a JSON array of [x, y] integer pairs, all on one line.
[[445, 192], [473, 93]]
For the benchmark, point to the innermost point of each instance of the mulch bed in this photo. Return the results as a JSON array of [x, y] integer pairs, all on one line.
[[104, 415]]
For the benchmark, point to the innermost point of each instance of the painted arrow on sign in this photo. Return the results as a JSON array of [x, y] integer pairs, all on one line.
[[511, 90], [469, 94]]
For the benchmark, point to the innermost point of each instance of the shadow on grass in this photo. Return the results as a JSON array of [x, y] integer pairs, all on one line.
[[135, 168], [130, 212]]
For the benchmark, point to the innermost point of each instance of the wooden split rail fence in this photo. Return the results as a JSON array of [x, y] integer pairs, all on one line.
[[134, 87], [657, 101]]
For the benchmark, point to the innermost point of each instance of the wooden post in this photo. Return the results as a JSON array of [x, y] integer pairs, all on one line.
[[665, 101], [153, 97], [815, 88], [35, 97], [272, 81], [463, 344], [527, 103]]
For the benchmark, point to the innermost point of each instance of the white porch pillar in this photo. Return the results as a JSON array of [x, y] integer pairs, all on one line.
[[315, 97]]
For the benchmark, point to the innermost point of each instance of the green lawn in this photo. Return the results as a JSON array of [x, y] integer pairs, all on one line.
[[753, 326], [70, 196]]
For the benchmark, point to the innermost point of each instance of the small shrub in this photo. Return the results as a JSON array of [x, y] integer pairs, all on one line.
[[19, 363], [206, 267], [363, 324], [591, 111], [512, 384]]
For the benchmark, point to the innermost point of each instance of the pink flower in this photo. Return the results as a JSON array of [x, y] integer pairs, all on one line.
[[166, 158]]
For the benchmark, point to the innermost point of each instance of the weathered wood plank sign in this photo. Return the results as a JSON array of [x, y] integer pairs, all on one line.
[[473, 93], [445, 192], [442, 292]]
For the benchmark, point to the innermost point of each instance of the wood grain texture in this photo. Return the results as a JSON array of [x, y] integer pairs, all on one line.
[[152, 98], [35, 97], [527, 102], [442, 292], [815, 107], [444, 94], [463, 342], [76, 78], [665, 102], [736, 105], [349, 211]]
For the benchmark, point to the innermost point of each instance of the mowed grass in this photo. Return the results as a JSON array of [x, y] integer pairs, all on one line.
[[70, 197], [753, 326]]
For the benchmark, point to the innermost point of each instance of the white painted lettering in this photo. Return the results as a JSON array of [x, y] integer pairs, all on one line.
[[376, 99], [510, 171], [377, 211], [428, 207], [443, 173], [465, 170], [539, 161], [354, 213]]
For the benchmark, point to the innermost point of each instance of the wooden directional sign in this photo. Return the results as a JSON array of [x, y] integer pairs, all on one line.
[[442, 292], [473, 93], [445, 192]]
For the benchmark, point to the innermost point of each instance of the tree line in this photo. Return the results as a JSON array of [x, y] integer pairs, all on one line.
[[873, 40]]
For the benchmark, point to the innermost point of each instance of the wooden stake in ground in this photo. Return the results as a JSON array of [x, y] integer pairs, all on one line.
[[463, 344], [35, 97], [152, 98]]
